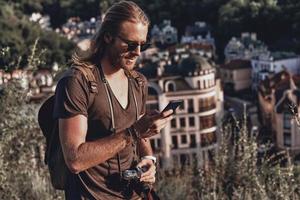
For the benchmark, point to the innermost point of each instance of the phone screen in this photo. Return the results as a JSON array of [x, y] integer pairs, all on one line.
[[173, 105]]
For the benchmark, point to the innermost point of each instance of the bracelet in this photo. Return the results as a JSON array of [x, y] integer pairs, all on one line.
[[134, 133], [153, 158], [128, 137]]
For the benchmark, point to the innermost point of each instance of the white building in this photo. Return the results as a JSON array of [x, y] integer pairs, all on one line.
[[165, 35], [236, 75], [244, 48], [271, 63], [192, 133], [199, 33], [77, 30]]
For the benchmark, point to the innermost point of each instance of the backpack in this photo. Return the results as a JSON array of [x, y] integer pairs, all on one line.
[[54, 158]]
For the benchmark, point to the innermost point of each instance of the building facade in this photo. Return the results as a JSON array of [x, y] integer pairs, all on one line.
[[245, 47], [270, 63], [192, 134], [165, 34], [279, 100], [199, 33], [236, 75]]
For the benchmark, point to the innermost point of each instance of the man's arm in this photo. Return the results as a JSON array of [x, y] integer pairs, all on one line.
[[80, 154], [145, 147]]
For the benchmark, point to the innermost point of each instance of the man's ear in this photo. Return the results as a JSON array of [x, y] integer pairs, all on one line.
[[108, 38]]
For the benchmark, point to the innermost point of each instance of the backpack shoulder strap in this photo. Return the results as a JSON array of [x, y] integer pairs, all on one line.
[[138, 78], [92, 83], [88, 74]]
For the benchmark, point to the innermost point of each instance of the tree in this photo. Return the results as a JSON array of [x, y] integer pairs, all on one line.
[[18, 34]]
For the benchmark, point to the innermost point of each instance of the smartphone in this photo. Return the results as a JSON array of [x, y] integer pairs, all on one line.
[[173, 105]]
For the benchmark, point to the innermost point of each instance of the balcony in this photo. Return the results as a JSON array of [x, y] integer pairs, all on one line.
[[204, 108]]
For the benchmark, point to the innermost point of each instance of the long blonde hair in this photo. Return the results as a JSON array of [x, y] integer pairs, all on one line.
[[116, 14]]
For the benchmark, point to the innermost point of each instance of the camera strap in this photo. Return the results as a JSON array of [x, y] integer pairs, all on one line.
[[113, 126]]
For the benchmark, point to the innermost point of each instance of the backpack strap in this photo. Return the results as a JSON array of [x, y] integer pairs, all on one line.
[[135, 76], [138, 78], [88, 74], [92, 83]]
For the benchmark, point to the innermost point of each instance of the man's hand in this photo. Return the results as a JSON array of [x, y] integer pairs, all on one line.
[[151, 124], [149, 175]]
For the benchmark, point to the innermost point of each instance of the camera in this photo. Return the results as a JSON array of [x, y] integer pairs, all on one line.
[[133, 174]]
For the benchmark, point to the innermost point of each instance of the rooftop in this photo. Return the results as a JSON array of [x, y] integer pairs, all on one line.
[[237, 64]]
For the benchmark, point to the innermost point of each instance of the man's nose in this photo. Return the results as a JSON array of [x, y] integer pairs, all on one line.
[[137, 51]]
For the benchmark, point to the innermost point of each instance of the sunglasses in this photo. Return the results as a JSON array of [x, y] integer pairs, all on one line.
[[131, 46]]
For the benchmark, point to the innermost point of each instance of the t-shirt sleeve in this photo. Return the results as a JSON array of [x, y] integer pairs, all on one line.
[[71, 97]]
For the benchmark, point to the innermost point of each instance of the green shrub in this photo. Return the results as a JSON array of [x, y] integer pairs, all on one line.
[[23, 174]]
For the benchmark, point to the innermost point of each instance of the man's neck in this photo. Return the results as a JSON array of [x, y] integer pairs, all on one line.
[[111, 71]]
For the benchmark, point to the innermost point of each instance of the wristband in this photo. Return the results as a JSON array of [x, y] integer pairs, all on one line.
[[153, 158], [134, 133], [128, 137]]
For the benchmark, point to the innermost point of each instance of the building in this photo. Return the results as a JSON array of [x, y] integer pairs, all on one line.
[[164, 35], [199, 33], [40, 84], [77, 30], [270, 63], [236, 75], [244, 48], [192, 134], [279, 100]]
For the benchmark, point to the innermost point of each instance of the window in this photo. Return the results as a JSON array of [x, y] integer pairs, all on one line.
[[174, 142], [201, 84], [286, 120], [181, 107], [152, 142], [152, 106], [205, 84], [182, 122], [287, 139], [183, 139], [190, 106], [193, 141], [173, 123], [206, 104], [184, 159], [158, 143], [192, 121], [207, 122], [171, 87]]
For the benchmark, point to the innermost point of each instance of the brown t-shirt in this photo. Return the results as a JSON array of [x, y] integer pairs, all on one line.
[[72, 98]]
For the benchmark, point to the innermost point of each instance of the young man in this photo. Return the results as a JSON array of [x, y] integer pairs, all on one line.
[[95, 154]]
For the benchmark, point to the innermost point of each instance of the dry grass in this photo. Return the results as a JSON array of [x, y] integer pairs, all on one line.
[[236, 172]]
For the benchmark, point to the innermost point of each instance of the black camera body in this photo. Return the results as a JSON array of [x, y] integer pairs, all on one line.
[[133, 174]]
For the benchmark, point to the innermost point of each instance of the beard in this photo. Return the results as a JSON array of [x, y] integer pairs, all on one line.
[[123, 60]]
